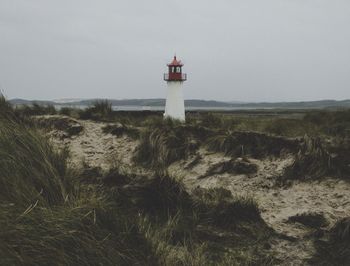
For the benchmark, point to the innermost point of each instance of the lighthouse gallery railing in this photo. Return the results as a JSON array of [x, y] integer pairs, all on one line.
[[175, 77]]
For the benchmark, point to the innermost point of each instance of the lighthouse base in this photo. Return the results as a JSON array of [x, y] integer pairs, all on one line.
[[175, 106]]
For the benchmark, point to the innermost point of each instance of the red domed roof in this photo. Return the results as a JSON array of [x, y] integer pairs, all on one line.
[[175, 62]]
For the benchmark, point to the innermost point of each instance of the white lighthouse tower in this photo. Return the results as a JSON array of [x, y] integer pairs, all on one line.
[[175, 106]]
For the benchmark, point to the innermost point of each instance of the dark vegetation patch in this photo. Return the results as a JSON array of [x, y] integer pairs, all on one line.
[[234, 166], [158, 195], [334, 248], [194, 217], [218, 207], [310, 219]]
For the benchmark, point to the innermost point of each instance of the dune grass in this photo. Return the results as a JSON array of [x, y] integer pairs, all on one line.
[[47, 217], [31, 165], [164, 142], [51, 214]]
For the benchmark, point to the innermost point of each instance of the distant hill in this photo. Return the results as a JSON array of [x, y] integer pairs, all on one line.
[[28, 102], [193, 103]]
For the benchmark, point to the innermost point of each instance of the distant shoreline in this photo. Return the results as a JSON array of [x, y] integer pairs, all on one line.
[[158, 104]]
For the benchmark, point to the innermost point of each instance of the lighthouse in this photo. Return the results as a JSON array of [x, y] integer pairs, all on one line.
[[175, 106]]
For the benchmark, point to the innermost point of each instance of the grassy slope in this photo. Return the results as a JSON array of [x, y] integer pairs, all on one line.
[[52, 214]]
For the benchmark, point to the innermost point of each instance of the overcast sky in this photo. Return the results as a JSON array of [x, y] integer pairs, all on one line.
[[233, 50]]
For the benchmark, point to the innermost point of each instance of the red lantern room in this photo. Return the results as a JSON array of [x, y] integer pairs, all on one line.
[[175, 71]]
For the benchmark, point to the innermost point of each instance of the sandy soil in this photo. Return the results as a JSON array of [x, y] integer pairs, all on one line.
[[96, 148], [329, 197]]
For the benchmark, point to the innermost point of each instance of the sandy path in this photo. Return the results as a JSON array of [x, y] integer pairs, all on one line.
[[98, 149]]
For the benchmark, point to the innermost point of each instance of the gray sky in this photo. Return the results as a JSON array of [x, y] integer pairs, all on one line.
[[234, 50]]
